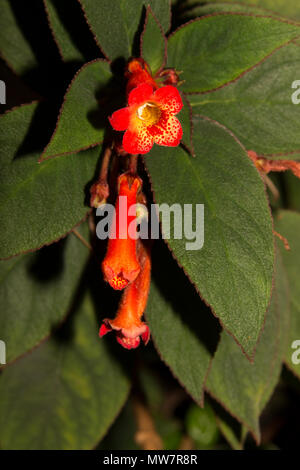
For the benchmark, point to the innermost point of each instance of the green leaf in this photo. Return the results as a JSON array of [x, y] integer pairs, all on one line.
[[162, 11], [185, 118], [210, 51], [14, 47], [122, 434], [253, 383], [39, 203], [184, 341], [287, 223], [258, 107], [79, 124], [36, 292], [116, 36], [290, 8], [62, 36], [233, 270], [194, 9], [228, 433], [153, 43], [64, 395]]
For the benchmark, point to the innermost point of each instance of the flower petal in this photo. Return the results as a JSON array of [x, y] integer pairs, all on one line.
[[146, 335], [169, 99], [128, 343], [138, 140], [105, 328], [140, 94], [120, 119], [168, 132]]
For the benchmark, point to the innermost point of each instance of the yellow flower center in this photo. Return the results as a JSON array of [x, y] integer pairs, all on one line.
[[149, 113]]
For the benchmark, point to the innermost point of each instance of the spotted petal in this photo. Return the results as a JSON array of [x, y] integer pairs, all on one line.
[[168, 132], [138, 140], [169, 99]]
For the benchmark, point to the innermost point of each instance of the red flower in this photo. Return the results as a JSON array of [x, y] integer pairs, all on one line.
[[127, 324], [120, 265], [149, 118]]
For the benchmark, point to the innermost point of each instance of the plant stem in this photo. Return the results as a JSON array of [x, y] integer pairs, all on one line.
[[271, 187], [104, 165], [133, 161], [82, 239], [283, 239]]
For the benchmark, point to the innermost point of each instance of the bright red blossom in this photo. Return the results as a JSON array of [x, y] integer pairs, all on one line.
[[148, 118], [120, 265], [127, 324]]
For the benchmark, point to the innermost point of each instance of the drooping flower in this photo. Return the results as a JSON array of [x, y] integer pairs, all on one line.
[[148, 118], [128, 324], [120, 265]]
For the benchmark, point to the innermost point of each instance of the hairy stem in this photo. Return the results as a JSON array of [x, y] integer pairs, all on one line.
[[82, 239]]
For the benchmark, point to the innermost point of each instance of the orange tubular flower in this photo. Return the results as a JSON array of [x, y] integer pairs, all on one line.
[[138, 72], [127, 324], [149, 118], [120, 265]]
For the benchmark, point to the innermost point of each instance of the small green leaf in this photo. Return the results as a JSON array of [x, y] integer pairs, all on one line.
[[233, 270], [81, 121], [14, 47], [153, 43], [183, 332], [258, 107], [210, 51], [62, 36], [116, 36], [39, 203], [66, 393], [244, 388], [287, 223], [201, 426], [36, 292]]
